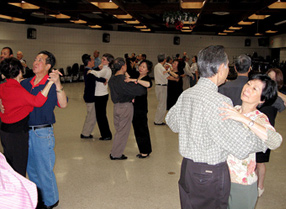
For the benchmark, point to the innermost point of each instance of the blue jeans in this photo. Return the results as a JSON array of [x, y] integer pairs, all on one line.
[[41, 161]]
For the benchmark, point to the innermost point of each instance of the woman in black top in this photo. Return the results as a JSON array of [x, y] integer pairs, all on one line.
[[140, 120], [175, 83]]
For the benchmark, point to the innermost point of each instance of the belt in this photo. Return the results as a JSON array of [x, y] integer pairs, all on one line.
[[161, 84], [38, 127]]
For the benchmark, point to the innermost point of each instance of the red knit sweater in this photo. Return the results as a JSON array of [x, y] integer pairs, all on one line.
[[17, 102]]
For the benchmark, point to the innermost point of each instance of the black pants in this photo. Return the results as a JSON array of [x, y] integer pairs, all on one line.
[[141, 131], [204, 186], [100, 110], [15, 146]]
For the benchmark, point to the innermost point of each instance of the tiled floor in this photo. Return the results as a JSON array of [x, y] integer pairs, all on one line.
[[88, 179]]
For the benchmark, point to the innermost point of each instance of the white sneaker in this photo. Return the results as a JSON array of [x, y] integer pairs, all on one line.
[[260, 192]]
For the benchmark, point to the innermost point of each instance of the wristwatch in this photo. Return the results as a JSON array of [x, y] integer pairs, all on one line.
[[251, 123]]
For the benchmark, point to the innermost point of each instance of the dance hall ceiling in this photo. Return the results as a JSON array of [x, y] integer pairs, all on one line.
[[209, 17]]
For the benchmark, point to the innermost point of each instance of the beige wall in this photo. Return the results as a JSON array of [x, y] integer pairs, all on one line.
[[69, 44]]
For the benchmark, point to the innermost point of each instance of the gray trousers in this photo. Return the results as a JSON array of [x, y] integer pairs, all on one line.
[[122, 118], [90, 119], [161, 94]]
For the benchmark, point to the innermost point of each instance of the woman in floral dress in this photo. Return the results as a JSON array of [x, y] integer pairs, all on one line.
[[258, 90]]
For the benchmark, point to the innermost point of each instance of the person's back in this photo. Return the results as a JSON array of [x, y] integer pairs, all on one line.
[[232, 89]]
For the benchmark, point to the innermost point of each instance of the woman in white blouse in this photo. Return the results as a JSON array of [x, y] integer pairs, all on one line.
[[101, 96], [259, 90]]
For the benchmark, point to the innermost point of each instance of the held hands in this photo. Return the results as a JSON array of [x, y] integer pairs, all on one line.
[[54, 76]]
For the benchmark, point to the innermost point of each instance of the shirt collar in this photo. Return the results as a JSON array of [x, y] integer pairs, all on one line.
[[208, 83], [42, 82]]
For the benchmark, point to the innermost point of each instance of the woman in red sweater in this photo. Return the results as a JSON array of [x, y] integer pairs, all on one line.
[[18, 104]]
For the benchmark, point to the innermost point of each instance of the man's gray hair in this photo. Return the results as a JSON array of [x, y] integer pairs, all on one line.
[[161, 57], [242, 63], [209, 60]]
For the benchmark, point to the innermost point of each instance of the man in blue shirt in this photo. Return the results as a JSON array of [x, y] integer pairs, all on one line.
[[97, 60], [41, 159]]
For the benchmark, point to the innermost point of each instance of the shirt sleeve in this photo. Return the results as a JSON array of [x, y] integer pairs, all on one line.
[[35, 101], [274, 139], [233, 136]]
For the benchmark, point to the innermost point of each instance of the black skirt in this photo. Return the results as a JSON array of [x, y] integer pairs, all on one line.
[[263, 157]]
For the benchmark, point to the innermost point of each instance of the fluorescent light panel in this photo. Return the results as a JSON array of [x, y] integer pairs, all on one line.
[[128, 16], [277, 5], [228, 31], [235, 28], [186, 31], [25, 5], [105, 5], [245, 23], [140, 26], [61, 16], [78, 21], [95, 26], [15, 19], [258, 17], [146, 30], [192, 5], [280, 23], [271, 31], [132, 22]]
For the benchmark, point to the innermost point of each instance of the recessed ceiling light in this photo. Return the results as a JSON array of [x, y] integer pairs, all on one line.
[[222, 34], [258, 34]]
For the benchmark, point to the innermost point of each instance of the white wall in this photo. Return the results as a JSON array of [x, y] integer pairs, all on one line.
[[69, 44]]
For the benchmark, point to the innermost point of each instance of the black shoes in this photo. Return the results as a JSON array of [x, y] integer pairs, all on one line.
[[159, 124], [123, 157], [142, 156], [105, 138], [86, 137], [48, 207]]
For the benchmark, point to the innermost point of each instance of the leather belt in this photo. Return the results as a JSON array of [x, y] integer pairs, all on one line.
[[38, 127], [161, 84]]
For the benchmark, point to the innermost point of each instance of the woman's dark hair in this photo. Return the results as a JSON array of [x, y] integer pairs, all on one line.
[[196, 58], [85, 59], [278, 76], [109, 58], [149, 64], [11, 67], [269, 91]]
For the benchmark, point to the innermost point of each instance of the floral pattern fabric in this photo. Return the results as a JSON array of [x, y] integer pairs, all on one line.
[[243, 171]]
